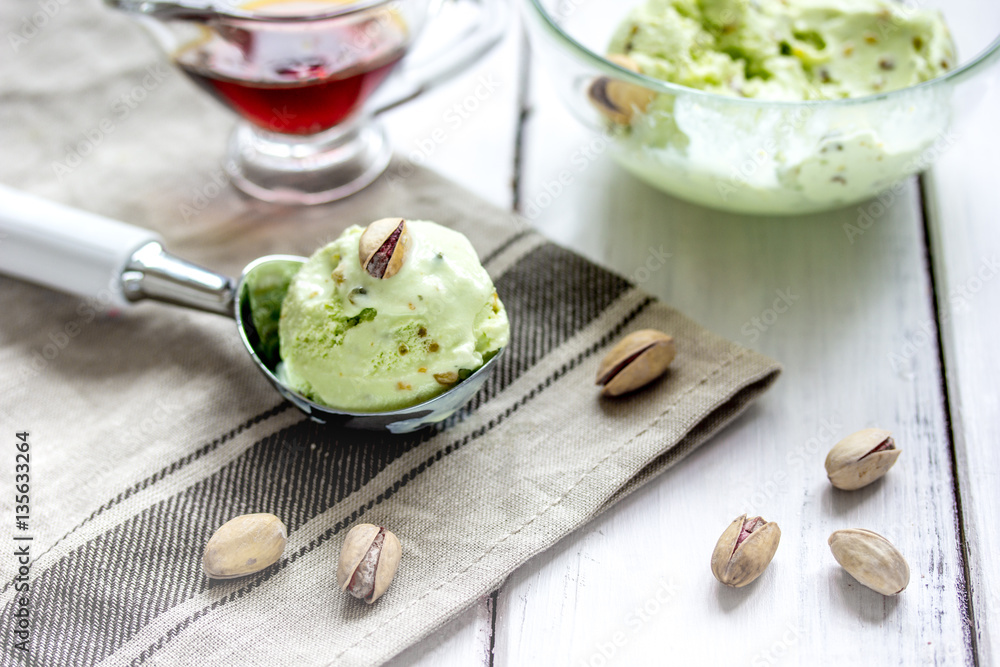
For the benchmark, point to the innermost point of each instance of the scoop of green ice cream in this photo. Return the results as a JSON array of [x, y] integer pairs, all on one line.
[[364, 344]]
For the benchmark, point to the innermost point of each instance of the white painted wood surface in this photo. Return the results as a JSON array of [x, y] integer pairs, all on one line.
[[634, 587], [636, 583], [964, 202]]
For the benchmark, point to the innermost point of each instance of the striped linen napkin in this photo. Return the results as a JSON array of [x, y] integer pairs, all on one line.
[[150, 427]]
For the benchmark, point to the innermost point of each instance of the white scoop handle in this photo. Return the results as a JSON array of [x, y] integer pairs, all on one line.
[[98, 258], [64, 248]]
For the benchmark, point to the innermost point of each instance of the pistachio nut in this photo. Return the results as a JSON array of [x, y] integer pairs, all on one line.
[[636, 360], [619, 100], [871, 559], [447, 378], [368, 561], [745, 550], [244, 545], [861, 458], [382, 247]]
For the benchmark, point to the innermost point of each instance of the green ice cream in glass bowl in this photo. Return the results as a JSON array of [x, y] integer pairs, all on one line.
[[770, 107]]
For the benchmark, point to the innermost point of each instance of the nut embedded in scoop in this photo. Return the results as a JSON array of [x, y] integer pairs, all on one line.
[[382, 247]]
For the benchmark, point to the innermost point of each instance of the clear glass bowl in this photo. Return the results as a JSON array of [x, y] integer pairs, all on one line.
[[756, 156]]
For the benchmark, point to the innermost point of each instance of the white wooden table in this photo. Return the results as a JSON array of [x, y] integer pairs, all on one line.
[[895, 329]]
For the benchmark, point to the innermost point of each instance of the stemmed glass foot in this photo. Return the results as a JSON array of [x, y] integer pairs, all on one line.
[[312, 169]]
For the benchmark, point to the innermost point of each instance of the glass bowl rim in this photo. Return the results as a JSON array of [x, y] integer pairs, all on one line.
[[991, 52]]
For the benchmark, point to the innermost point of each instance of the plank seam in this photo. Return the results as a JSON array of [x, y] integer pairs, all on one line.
[[523, 111], [963, 547]]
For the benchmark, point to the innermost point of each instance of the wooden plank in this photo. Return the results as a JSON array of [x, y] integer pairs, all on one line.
[[963, 199], [635, 587]]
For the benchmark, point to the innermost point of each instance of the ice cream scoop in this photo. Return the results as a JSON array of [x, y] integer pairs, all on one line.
[[98, 258], [386, 317]]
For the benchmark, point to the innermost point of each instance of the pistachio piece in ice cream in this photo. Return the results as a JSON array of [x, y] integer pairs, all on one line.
[[382, 247]]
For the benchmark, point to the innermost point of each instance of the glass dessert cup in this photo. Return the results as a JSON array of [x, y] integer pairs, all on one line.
[[306, 79], [758, 156]]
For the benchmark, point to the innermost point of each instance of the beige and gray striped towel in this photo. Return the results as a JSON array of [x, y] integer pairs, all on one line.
[[150, 428]]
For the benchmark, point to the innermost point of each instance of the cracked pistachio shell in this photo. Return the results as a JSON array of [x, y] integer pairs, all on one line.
[[244, 545], [635, 361], [852, 464], [737, 566], [619, 100], [381, 255], [871, 559], [357, 543]]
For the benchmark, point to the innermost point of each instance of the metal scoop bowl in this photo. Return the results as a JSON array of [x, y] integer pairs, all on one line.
[[91, 256]]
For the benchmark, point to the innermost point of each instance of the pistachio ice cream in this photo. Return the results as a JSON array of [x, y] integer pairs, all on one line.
[[786, 49], [778, 158], [393, 328]]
